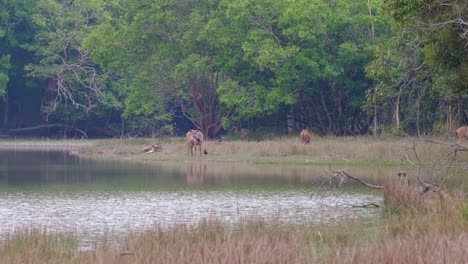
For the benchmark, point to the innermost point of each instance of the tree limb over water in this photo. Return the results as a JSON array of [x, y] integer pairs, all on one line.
[[51, 126], [432, 180]]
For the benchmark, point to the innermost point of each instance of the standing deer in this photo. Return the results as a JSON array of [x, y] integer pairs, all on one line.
[[194, 139], [462, 133], [305, 136]]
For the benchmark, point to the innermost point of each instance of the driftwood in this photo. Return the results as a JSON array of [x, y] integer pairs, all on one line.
[[35, 128], [153, 148]]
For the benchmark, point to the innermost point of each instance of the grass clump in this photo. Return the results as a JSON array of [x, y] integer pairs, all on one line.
[[37, 245], [400, 197]]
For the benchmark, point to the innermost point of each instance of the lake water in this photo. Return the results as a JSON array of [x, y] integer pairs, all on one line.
[[61, 192]]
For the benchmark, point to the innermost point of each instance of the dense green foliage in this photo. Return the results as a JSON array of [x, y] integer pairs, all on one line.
[[152, 67], [421, 71]]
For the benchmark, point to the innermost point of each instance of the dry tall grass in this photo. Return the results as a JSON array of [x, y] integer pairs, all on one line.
[[417, 237], [429, 237], [36, 245], [209, 242], [431, 248], [401, 195]]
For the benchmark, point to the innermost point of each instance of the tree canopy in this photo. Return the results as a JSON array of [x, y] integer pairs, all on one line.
[[154, 67]]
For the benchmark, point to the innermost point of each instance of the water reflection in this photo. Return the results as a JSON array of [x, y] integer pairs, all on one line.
[[196, 172], [63, 192]]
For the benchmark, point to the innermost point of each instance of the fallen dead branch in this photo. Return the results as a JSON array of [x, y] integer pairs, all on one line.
[[345, 177], [153, 148], [368, 205], [49, 126], [403, 191]]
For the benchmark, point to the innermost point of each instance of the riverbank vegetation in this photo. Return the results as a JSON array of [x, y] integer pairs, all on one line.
[[420, 234]]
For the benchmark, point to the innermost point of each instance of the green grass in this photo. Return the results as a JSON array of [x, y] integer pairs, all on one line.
[[321, 151]]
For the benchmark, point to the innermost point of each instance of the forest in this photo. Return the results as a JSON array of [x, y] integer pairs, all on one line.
[[143, 68]]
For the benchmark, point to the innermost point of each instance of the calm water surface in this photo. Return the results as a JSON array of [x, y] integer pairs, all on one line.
[[62, 192]]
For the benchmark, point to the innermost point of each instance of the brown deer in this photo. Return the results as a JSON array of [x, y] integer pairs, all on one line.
[[305, 136], [462, 133], [194, 139]]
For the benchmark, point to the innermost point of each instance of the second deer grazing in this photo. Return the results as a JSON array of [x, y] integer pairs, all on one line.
[[305, 136], [462, 133]]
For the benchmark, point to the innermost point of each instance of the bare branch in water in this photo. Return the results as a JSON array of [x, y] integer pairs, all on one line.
[[441, 170]]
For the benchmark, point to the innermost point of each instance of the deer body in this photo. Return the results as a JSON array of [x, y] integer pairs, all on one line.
[[462, 133], [194, 139], [305, 136]]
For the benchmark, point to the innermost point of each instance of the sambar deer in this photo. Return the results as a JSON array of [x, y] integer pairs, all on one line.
[[305, 136], [194, 139], [462, 133]]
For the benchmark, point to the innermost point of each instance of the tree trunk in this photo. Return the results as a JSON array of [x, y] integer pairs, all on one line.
[[372, 35], [449, 118], [339, 124], [6, 112], [206, 105], [318, 117], [122, 128], [325, 108], [290, 120], [375, 113], [418, 110], [460, 111], [397, 110], [372, 28]]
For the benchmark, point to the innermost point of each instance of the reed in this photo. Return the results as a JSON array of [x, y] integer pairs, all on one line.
[[419, 237], [37, 245]]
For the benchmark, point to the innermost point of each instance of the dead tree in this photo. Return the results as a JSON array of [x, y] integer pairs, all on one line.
[[432, 180]]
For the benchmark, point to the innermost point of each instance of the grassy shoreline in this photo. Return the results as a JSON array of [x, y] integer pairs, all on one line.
[[283, 151]]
